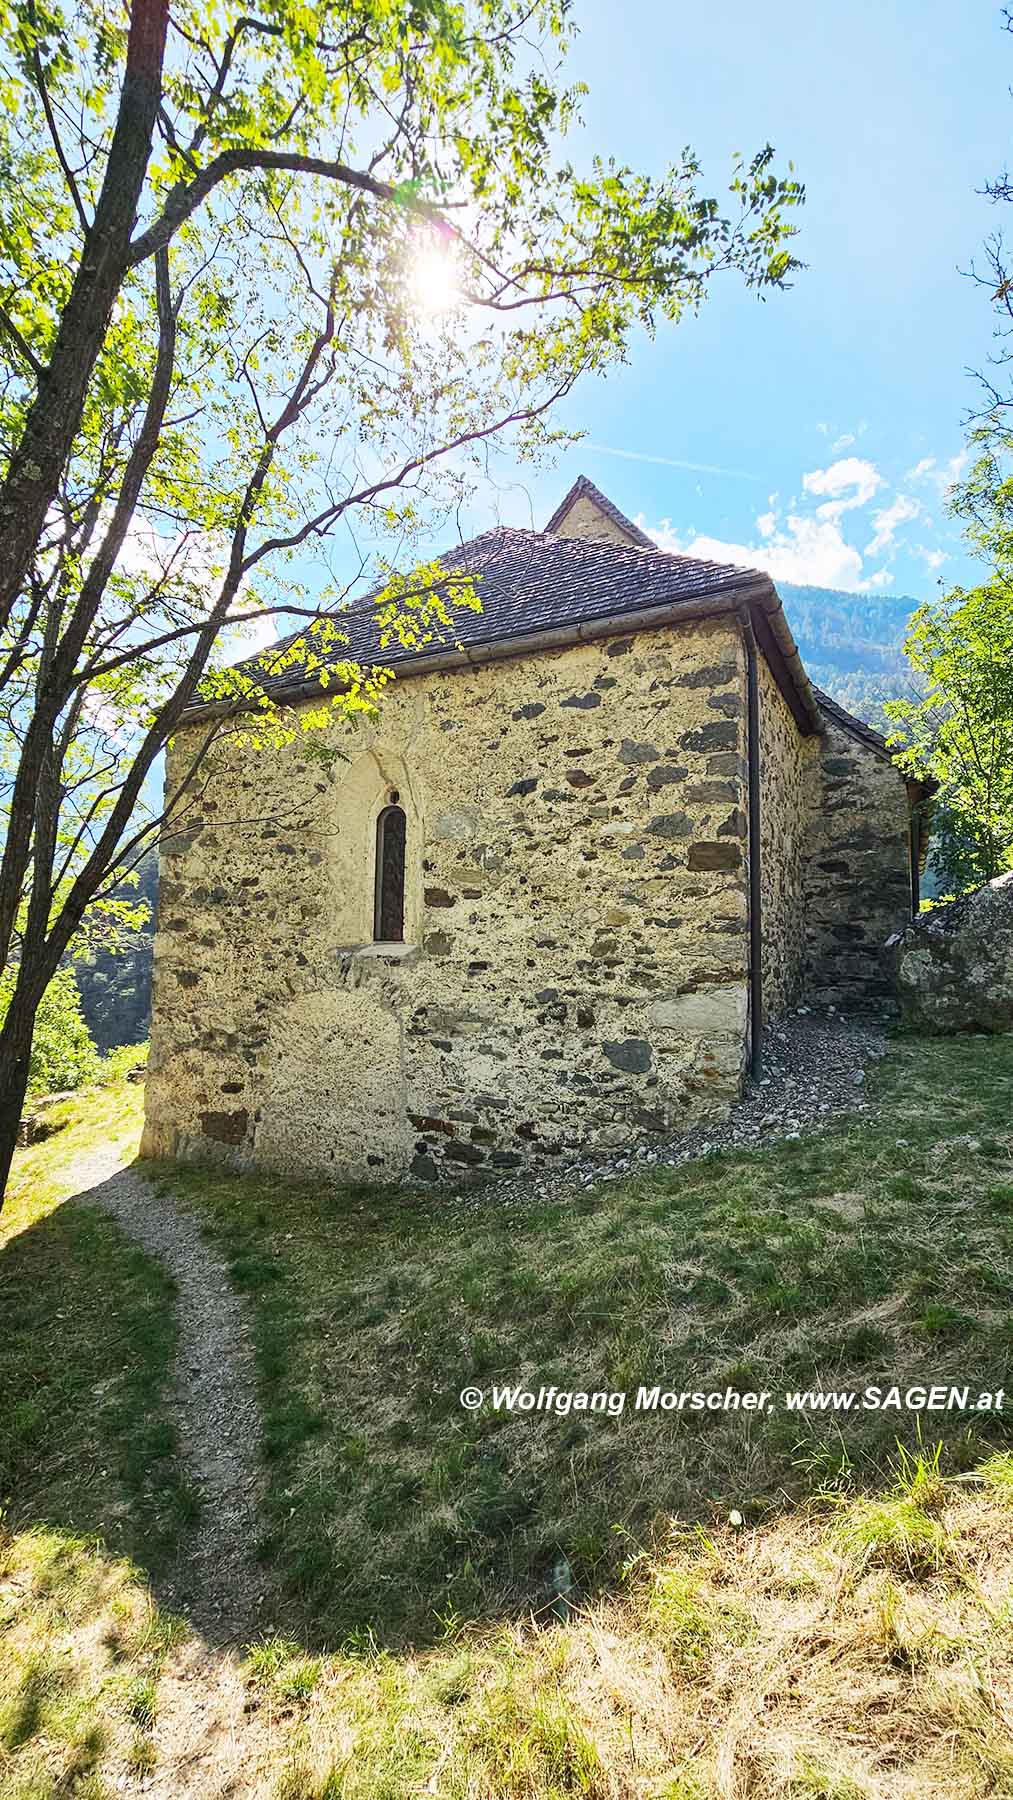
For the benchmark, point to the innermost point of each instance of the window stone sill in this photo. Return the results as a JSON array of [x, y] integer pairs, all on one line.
[[391, 953]]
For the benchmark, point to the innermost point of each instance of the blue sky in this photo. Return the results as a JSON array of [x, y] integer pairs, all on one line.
[[833, 411]]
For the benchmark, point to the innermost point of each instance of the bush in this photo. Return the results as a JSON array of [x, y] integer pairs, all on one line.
[[63, 1054], [122, 1061]]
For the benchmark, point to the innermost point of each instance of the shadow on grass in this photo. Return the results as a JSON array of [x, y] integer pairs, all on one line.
[[88, 1440], [879, 1254]]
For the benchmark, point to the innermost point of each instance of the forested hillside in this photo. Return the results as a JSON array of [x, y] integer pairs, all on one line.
[[116, 985], [851, 644]]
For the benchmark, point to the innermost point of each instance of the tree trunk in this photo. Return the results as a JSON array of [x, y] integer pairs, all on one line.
[[40, 958], [15, 1055], [54, 418]]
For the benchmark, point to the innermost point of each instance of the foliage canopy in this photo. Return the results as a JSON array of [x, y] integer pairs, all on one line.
[[264, 273], [960, 728]]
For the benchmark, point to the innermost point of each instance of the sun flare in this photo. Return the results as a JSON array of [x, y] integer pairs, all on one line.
[[434, 280]]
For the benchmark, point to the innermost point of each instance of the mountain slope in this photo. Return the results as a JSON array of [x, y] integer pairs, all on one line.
[[851, 644], [115, 986]]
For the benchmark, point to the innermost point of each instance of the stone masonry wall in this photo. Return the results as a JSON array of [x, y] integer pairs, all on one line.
[[576, 914], [858, 871], [586, 520], [788, 785]]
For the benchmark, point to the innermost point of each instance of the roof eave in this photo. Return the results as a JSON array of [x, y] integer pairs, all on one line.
[[756, 593], [782, 654], [921, 787]]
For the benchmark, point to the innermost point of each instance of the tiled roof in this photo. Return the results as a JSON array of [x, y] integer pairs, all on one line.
[[533, 581], [583, 489], [848, 722]]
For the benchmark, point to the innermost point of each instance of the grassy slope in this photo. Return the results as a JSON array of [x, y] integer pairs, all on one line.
[[86, 1440], [853, 1640], [87, 1468], [864, 1653], [880, 1252]]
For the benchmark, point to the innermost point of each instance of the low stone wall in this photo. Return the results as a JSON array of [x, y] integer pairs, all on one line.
[[576, 917]]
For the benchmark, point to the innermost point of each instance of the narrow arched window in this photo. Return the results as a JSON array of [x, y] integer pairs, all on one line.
[[388, 910]]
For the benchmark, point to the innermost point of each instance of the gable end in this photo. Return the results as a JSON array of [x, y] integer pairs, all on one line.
[[585, 512]]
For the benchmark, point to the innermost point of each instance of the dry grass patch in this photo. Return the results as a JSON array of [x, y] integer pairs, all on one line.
[[97, 1121], [751, 1663], [81, 1649]]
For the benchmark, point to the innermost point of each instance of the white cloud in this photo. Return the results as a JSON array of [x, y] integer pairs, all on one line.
[[844, 442], [886, 521], [933, 559], [250, 639], [196, 560], [850, 482], [106, 718], [803, 550], [805, 541], [191, 566], [942, 475]]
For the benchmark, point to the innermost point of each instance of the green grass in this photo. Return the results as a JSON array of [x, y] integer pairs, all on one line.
[[997, 1475], [900, 1528], [877, 1253], [88, 1467], [687, 1619], [282, 1665], [526, 1606], [87, 1439]]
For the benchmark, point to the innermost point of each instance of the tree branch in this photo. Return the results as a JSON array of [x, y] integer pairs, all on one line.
[[185, 199], [323, 520], [13, 335], [68, 173]]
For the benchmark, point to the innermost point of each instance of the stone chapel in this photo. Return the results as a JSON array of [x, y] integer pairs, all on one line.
[[543, 906]]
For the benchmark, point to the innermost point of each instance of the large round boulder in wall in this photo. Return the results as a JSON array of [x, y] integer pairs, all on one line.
[[954, 964]]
